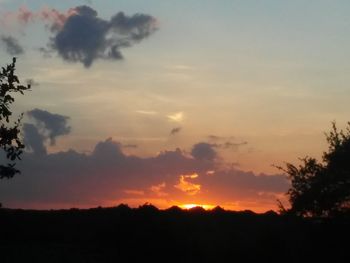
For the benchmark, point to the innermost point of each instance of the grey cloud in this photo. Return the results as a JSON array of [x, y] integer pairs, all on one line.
[[103, 174], [203, 151], [175, 130], [12, 45], [78, 179], [49, 124], [85, 37], [33, 140]]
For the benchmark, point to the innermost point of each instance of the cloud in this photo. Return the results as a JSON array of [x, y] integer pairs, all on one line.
[[234, 145], [12, 45], [175, 130], [188, 187], [176, 117], [84, 37], [79, 35], [51, 16], [105, 174], [49, 124], [109, 176], [203, 151], [222, 142], [33, 139], [46, 127]]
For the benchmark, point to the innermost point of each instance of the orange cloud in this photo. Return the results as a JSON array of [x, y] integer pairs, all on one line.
[[188, 187]]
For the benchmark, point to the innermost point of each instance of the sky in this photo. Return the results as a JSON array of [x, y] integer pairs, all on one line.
[[172, 102]]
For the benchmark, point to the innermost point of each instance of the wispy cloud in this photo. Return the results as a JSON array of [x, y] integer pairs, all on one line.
[[176, 117], [146, 112], [12, 45], [175, 130]]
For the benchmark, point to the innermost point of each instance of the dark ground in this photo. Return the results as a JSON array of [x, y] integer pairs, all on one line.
[[146, 234]]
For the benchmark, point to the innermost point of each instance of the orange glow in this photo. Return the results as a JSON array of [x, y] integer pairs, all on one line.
[[188, 187], [189, 206]]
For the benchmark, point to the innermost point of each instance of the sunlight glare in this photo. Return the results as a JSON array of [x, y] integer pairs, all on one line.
[[189, 206]]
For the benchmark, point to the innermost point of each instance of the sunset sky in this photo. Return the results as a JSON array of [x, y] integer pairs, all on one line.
[[172, 102]]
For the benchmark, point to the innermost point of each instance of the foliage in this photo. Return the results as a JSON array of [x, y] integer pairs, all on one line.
[[322, 189], [10, 140]]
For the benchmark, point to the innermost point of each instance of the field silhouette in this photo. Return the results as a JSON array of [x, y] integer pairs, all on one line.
[[147, 234]]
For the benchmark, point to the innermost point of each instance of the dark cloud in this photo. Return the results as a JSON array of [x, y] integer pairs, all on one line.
[[76, 179], [12, 45], [50, 125], [175, 130], [102, 175], [84, 37], [203, 151]]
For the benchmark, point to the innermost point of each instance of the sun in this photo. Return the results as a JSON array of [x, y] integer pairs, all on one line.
[[189, 206]]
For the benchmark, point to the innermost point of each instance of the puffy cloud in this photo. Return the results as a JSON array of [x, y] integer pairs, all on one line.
[[107, 175], [12, 45], [50, 125], [84, 37], [79, 35]]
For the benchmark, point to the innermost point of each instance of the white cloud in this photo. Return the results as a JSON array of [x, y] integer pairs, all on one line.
[[177, 117]]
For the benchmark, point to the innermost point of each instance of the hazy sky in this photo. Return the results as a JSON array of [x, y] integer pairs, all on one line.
[[223, 87]]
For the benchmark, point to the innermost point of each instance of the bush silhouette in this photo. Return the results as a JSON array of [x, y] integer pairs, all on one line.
[[10, 140], [322, 189]]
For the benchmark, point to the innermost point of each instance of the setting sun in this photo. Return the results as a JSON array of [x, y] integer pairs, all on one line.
[[189, 206]]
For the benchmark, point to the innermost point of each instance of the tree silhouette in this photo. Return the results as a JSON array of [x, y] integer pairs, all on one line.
[[322, 189], [10, 141]]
